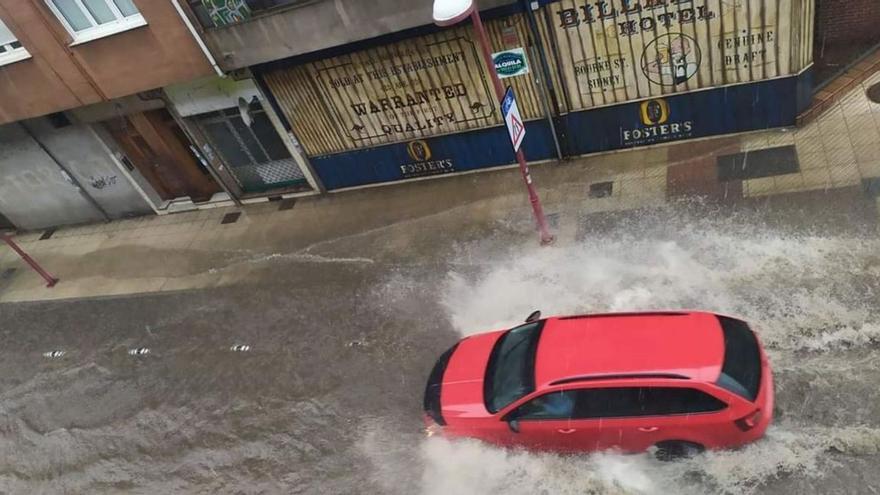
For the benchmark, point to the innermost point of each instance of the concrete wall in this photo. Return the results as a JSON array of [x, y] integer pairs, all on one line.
[[90, 162], [316, 26], [60, 77], [134, 175], [33, 191]]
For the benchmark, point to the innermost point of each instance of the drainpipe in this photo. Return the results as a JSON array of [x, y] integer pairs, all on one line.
[[67, 174], [195, 35]]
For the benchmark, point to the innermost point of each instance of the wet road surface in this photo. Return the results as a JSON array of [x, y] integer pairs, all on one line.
[[327, 397]]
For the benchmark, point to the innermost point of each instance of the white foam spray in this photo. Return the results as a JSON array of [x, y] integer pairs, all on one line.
[[810, 297]]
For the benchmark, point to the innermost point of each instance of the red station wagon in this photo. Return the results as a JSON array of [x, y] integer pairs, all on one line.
[[678, 381]]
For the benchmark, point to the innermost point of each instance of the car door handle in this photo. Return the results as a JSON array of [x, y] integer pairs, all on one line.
[[648, 429], [566, 431]]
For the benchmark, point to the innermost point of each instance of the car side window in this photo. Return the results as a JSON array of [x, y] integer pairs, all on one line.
[[555, 405], [643, 401]]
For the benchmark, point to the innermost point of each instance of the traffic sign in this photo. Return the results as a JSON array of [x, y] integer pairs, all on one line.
[[515, 126]]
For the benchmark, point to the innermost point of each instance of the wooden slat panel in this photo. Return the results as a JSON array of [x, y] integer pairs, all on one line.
[[419, 87], [301, 104], [708, 35], [548, 40], [613, 51], [805, 38], [527, 93]]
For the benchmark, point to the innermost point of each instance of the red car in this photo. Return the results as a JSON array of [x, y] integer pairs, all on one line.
[[678, 381]]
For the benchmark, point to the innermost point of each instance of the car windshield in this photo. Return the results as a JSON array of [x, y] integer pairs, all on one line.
[[741, 371], [510, 374]]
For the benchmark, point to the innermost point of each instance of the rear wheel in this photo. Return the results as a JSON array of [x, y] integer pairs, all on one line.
[[674, 450]]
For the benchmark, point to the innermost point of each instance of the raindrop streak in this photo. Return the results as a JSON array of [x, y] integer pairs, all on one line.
[[54, 354], [140, 351], [240, 348]]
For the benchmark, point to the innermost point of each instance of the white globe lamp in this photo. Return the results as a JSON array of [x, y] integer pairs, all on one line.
[[449, 12]]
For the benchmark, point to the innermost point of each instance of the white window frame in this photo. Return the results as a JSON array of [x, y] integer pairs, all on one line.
[[98, 31], [12, 55]]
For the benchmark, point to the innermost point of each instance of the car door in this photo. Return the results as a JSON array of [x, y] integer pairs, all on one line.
[[636, 418], [545, 423]]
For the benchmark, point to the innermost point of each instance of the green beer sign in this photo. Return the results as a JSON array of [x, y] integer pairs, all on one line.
[[510, 63]]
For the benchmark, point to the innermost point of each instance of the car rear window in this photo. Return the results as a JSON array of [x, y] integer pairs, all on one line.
[[431, 402], [510, 374], [741, 371]]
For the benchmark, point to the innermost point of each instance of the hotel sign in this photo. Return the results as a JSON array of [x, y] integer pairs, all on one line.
[[612, 51]]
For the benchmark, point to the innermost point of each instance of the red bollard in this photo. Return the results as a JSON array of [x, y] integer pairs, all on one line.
[[50, 280]]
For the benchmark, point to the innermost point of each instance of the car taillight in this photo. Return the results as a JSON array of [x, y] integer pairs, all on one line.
[[748, 422]]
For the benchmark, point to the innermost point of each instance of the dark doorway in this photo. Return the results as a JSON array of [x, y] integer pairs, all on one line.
[[5, 224], [160, 150], [845, 31]]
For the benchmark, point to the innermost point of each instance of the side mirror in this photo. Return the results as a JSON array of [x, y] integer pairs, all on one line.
[[535, 316], [514, 425]]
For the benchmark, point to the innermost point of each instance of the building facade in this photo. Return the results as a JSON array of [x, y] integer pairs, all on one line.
[[371, 105], [184, 103], [87, 132], [61, 57]]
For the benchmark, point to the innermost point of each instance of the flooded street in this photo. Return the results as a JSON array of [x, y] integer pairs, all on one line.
[[326, 398]]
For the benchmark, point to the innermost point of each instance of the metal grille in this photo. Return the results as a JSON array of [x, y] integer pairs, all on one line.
[[272, 174], [254, 154], [759, 163]]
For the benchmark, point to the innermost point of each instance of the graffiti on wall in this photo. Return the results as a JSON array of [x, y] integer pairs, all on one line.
[[102, 181], [225, 12]]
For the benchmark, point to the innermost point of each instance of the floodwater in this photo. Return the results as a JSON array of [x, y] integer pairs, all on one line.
[[326, 399]]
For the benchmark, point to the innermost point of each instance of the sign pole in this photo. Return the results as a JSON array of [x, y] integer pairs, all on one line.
[[546, 237], [50, 280]]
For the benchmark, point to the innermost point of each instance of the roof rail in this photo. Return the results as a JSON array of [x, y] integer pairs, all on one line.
[[590, 378], [607, 315]]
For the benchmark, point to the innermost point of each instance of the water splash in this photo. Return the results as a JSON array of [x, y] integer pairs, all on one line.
[[812, 297], [802, 291], [473, 468]]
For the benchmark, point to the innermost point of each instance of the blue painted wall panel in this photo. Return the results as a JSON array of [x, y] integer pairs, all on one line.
[[762, 105], [731, 109], [804, 90], [483, 148]]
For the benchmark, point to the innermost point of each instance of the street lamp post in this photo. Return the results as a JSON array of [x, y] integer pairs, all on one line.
[[450, 12]]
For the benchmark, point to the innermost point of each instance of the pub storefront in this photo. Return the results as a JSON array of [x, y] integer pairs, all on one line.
[[589, 76]]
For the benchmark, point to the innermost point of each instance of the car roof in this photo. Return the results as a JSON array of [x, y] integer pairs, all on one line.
[[687, 344]]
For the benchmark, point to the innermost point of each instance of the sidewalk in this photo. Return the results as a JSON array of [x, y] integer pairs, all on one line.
[[839, 149]]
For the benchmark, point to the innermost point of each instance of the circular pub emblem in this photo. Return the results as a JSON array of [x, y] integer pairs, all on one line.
[[419, 151], [671, 59]]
